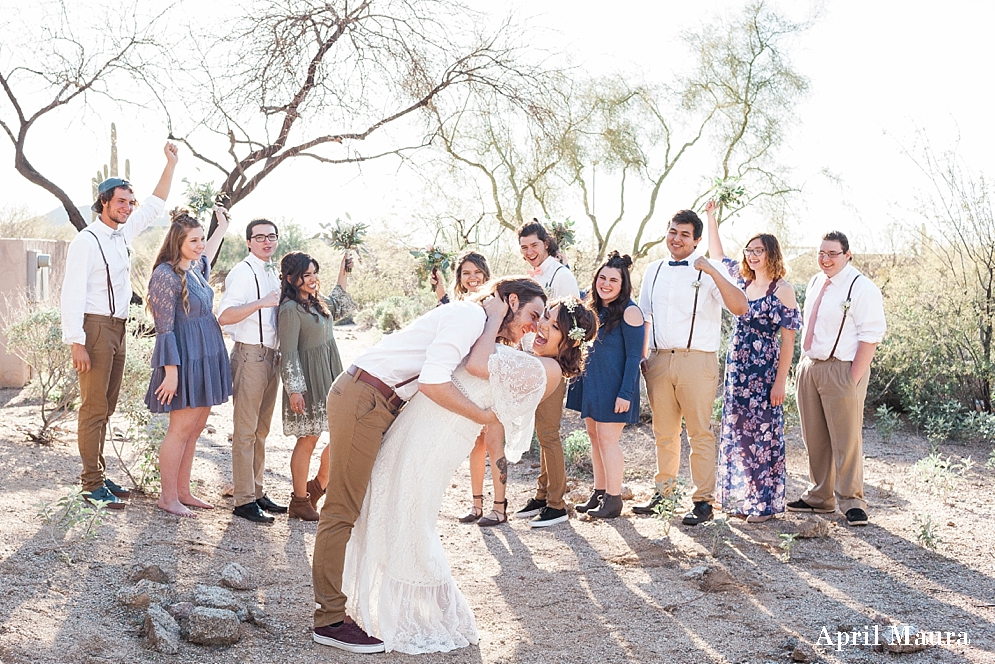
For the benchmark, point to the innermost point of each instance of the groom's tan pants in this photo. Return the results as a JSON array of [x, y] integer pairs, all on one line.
[[358, 417], [681, 384], [552, 481]]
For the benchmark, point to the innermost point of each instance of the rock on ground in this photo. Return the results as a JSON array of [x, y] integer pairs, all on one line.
[[213, 597], [144, 593], [181, 610], [212, 627], [235, 576], [812, 527], [149, 572], [161, 630]]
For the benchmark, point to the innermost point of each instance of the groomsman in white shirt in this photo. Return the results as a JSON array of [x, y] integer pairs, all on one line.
[[248, 314], [682, 299], [844, 323], [547, 507], [96, 295]]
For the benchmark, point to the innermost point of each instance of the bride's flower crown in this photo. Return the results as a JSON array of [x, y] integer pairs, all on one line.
[[576, 333]]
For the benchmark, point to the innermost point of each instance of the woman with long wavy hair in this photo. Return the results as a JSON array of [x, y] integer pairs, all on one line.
[[607, 395], [309, 364], [191, 371], [751, 470]]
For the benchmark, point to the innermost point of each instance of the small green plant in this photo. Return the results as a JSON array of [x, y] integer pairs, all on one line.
[[396, 311], [721, 533], [990, 464], [576, 446], [941, 423], [717, 410], [673, 493], [788, 543], [926, 533], [71, 520], [887, 422], [941, 475], [35, 336]]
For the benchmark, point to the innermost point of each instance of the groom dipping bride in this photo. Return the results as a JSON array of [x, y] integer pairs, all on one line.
[[393, 569]]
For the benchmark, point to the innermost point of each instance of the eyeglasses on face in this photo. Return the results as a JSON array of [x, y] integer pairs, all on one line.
[[272, 237], [758, 251], [831, 254]]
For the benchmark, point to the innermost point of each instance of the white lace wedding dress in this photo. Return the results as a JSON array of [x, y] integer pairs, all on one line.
[[396, 575]]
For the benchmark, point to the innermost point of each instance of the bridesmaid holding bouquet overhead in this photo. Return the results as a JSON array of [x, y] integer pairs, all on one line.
[[751, 464]]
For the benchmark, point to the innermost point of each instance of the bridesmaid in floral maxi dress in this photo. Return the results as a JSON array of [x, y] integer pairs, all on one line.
[[751, 465], [309, 365]]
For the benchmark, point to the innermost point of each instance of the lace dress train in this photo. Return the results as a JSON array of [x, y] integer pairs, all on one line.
[[396, 577]]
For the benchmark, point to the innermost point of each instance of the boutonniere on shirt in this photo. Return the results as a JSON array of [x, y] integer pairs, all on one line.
[[845, 305], [696, 284]]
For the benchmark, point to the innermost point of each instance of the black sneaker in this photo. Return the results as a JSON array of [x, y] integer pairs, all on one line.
[[801, 506], [347, 636], [533, 507], [856, 517], [648, 507], [548, 516], [252, 512], [701, 513], [104, 495], [266, 504], [117, 489]]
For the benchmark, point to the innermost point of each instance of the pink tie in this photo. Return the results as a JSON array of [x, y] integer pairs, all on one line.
[[810, 330]]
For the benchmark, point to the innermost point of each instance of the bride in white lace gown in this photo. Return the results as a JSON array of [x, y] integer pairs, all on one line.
[[396, 577]]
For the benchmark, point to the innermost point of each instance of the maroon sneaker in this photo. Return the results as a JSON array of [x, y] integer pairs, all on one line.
[[349, 637]]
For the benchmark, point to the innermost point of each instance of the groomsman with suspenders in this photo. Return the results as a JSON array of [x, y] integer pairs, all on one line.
[[682, 298], [547, 507], [96, 294], [248, 312], [844, 322]]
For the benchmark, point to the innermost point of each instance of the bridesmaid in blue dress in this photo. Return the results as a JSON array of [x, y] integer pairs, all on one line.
[[607, 395], [190, 366], [751, 462]]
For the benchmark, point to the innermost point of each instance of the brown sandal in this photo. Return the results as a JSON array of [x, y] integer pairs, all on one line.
[[495, 518], [475, 512]]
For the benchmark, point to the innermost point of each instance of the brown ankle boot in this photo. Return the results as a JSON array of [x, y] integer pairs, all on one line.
[[301, 508], [315, 492]]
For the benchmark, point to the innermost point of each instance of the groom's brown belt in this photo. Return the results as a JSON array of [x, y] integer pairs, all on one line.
[[381, 387]]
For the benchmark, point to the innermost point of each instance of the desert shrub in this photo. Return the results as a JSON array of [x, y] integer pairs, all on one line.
[[887, 422], [387, 269], [71, 520], [35, 336], [396, 311], [137, 447]]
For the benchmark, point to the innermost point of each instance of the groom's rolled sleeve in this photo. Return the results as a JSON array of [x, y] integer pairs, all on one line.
[[458, 328]]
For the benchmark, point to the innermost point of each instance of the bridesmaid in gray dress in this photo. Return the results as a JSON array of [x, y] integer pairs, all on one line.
[[310, 363], [191, 370]]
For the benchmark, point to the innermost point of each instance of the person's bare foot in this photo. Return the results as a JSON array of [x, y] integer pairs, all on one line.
[[175, 507], [194, 501]]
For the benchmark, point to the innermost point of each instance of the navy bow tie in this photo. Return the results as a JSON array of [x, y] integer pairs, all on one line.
[[677, 263]]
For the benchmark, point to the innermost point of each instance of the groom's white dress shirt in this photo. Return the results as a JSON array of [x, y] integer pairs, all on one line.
[[430, 348]]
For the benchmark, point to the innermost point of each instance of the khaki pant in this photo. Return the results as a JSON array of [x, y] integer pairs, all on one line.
[[358, 417], [831, 407], [255, 383], [682, 384], [552, 482], [98, 390]]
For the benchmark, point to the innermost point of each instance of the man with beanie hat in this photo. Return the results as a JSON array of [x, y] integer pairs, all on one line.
[[96, 294]]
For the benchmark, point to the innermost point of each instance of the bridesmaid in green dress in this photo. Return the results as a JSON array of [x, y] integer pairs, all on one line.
[[309, 364]]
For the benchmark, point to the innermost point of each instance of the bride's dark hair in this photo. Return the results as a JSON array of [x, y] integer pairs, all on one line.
[[572, 353]]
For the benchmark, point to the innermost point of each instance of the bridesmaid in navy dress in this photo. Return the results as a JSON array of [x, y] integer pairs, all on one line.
[[751, 461], [190, 366], [607, 395]]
